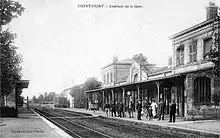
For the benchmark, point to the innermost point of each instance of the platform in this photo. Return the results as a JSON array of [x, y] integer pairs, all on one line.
[[29, 125], [203, 126]]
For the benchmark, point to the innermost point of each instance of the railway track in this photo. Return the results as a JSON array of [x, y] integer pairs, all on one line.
[[72, 128], [85, 125], [112, 126]]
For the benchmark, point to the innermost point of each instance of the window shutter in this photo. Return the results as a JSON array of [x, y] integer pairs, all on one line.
[[207, 45], [190, 48]]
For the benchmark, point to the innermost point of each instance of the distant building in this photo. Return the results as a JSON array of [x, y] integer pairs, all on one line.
[[70, 99], [115, 72]]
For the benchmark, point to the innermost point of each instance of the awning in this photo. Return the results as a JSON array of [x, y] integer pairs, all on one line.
[[22, 84], [133, 83]]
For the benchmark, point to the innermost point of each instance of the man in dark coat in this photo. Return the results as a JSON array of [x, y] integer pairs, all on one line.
[[139, 109], [172, 111], [161, 110], [120, 109], [113, 110], [130, 109], [106, 108]]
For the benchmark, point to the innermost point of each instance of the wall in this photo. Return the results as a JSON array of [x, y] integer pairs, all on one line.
[[121, 71], [106, 70], [199, 35], [194, 111]]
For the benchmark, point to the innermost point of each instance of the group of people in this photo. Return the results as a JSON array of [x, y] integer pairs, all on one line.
[[114, 110], [154, 110], [149, 110]]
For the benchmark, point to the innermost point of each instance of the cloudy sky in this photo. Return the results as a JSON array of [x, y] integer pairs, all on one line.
[[63, 44]]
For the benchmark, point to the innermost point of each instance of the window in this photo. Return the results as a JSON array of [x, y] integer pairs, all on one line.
[[135, 77], [111, 79], [193, 52], [202, 90], [104, 78], [207, 45], [107, 77], [180, 55]]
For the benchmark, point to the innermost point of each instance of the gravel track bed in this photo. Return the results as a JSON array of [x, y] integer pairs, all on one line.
[[115, 127], [72, 112], [119, 129], [73, 128], [78, 129]]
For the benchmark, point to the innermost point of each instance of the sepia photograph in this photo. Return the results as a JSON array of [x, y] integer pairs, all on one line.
[[110, 69]]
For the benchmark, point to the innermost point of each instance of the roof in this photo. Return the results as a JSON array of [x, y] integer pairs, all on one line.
[[131, 83], [148, 68], [197, 26], [22, 83], [162, 69], [126, 61], [124, 79]]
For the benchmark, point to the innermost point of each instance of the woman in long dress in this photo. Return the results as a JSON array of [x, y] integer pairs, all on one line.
[[154, 107]]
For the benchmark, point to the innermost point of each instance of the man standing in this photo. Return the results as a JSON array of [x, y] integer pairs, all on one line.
[[154, 109], [172, 111], [161, 110], [121, 113], [145, 107], [122, 110], [117, 109], [130, 109], [106, 108], [139, 108], [113, 110]]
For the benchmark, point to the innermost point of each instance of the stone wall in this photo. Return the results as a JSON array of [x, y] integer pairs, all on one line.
[[194, 111]]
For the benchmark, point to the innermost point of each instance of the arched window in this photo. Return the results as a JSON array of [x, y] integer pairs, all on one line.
[[202, 90], [135, 77]]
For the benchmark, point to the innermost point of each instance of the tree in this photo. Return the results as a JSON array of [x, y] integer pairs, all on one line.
[[214, 54], [45, 97], [51, 96], [10, 60], [75, 91], [34, 99], [9, 9], [40, 98], [79, 96], [91, 84], [140, 58]]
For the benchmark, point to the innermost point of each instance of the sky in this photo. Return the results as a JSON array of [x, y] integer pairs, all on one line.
[[63, 44]]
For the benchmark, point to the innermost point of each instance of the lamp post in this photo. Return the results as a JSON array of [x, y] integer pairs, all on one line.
[[165, 99], [129, 95]]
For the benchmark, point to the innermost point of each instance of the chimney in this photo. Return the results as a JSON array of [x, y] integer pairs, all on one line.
[[211, 11], [115, 59]]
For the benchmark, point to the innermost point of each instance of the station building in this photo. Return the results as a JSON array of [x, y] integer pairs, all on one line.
[[188, 79]]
